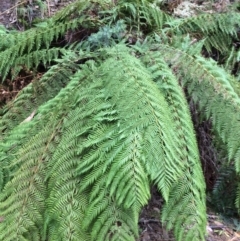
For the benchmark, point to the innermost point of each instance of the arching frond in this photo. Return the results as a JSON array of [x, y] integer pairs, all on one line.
[[186, 195], [36, 93], [218, 31], [214, 90]]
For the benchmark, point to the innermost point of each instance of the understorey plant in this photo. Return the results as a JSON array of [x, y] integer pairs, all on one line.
[[81, 145]]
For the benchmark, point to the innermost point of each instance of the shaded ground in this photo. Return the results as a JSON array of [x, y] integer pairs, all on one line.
[[23, 13], [151, 228], [5, 5]]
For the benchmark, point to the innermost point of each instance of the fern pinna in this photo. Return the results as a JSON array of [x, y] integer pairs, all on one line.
[[81, 146]]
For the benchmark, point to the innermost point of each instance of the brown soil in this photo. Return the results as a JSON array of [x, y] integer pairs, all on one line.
[[4, 6], [16, 13], [151, 229]]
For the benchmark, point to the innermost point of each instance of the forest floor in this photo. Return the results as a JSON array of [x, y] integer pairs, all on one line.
[[16, 14], [151, 228]]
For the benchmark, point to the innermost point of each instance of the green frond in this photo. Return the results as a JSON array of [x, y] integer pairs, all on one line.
[[237, 200], [28, 186], [35, 94], [66, 204], [15, 127], [114, 222], [187, 195], [214, 91], [7, 38], [76, 7], [141, 14], [34, 59], [185, 211], [72, 148], [153, 121], [218, 33], [23, 198], [224, 196], [231, 63], [34, 44], [110, 140], [46, 101]]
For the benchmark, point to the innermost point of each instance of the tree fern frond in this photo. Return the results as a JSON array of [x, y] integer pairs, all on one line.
[[23, 199], [219, 93], [155, 118], [34, 59], [237, 200], [80, 146], [140, 14], [15, 132], [7, 38], [35, 94], [29, 44], [66, 204], [30, 176], [217, 33], [76, 7], [215, 93], [114, 222], [158, 18], [71, 149], [185, 211], [48, 112], [186, 195], [225, 191], [231, 63], [110, 139]]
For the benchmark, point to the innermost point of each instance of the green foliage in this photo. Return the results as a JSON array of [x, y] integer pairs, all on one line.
[[81, 146], [107, 35], [224, 193], [218, 33]]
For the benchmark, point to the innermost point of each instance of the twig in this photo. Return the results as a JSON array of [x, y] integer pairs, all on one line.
[[13, 7], [212, 216], [217, 227], [49, 10], [29, 118], [148, 221]]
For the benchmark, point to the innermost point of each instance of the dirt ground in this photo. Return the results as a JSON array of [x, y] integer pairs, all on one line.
[[16, 13], [151, 228]]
